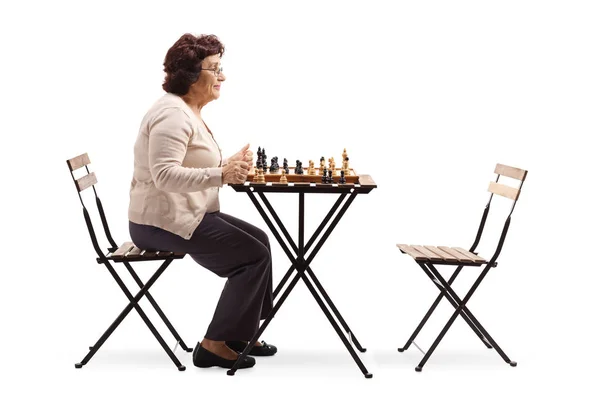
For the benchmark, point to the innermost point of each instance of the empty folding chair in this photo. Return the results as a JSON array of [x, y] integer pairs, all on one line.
[[429, 256], [126, 253]]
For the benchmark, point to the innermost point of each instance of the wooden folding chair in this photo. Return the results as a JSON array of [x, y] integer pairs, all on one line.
[[126, 253], [428, 256]]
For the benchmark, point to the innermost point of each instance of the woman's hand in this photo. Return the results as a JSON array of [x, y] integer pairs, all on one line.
[[243, 155], [235, 172]]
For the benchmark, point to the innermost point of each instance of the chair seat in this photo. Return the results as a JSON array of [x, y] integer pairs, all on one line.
[[442, 255], [129, 252]]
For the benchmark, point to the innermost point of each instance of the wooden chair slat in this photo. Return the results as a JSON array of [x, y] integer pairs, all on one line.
[[136, 252], [149, 254], [511, 172], [445, 256], [467, 253], [412, 252], [86, 181], [78, 162], [431, 255], [122, 250], [503, 190], [459, 256]]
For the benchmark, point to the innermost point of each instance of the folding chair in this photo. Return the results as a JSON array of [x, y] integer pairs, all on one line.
[[428, 256], [126, 253]]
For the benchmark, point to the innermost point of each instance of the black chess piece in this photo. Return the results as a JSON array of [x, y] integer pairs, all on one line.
[[258, 157], [274, 167], [299, 169], [329, 177], [285, 166], [324, 177], [342, 177]]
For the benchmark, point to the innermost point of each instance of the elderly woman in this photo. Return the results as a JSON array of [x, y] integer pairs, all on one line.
[[174, 201]]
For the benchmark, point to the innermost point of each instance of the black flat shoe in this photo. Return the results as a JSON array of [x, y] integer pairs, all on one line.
[[203, 358], [259, 351]]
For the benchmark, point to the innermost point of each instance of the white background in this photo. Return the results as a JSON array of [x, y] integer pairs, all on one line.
[[427, 96]]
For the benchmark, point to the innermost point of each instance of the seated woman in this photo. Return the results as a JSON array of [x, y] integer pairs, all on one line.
[[174, 201]]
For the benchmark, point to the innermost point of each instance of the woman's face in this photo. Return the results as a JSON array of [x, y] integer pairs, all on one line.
[[208, 85]]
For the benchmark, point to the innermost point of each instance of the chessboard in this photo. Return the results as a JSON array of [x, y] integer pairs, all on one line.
[[275, 176]]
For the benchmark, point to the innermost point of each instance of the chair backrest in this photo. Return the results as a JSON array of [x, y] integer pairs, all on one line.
[[504, 191], [81, 184]]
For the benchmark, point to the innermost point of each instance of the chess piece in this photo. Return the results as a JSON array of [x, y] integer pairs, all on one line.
[[329, 177], [342, 177], [261, 176], [274, 167], [258, 157], [311, 167], [256, 170], [345, 165], [283, 178], [344, 154], [324, 177], [264, 160], [333, 166], [322, 163], [299, 170]]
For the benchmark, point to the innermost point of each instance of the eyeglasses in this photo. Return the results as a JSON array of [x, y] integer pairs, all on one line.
[[216, 71]]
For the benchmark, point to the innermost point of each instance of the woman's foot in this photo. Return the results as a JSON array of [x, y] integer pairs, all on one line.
[[259, 349], [219, 348], [204, 358]]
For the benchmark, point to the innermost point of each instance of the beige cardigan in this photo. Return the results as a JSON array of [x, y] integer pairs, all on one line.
[[177, 169]]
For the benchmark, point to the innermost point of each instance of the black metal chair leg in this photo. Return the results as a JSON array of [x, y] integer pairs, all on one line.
[[453, 299], [427, 315], [452, 319], [487, 336], [158, 310], [133, 303]]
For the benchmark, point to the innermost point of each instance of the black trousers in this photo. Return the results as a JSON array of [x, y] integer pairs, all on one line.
[[232, 249]]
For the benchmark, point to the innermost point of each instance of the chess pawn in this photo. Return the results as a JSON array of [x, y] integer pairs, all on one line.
[[329, 177], [324, 177], [283, 178], [257, 168], [261, 176], [333, 166], [322, 163], [342, 177]]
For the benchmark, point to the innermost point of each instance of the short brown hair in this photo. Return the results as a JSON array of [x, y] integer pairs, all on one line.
[[183, 61]]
